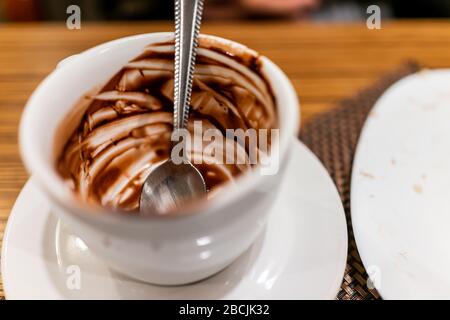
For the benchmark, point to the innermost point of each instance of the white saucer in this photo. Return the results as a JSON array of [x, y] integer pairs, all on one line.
[[301, 255], [401, 189]]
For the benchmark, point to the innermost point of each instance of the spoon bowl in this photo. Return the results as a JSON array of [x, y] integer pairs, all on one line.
[[170, 185]]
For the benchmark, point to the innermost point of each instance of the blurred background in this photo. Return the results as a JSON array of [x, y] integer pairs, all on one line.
[[316, 10]]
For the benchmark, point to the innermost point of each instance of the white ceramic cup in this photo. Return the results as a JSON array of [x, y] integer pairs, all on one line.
[[161, 250]]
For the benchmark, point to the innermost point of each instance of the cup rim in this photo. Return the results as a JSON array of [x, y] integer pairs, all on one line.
[[53, 184]]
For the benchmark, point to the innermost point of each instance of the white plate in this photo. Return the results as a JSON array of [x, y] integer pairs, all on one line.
[[401, 189], [301, 255]]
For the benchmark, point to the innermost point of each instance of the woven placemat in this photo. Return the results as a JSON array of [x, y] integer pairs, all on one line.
[[333, 136]]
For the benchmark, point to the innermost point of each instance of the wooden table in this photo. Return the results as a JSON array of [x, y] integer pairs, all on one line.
[[325, 63]]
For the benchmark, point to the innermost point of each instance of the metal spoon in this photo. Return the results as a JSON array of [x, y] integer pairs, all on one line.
[[169, 185]]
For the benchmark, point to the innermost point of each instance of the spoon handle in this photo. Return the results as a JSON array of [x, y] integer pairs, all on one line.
[[188, 15]]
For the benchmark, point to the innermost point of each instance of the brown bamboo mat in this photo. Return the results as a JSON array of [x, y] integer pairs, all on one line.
[[333, 136]]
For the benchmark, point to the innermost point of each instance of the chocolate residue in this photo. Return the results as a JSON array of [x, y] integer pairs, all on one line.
[[124, 132], [367, 174], [418, 188]]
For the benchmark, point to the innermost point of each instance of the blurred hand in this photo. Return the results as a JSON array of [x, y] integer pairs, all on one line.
[[235, 9], [279, 7]]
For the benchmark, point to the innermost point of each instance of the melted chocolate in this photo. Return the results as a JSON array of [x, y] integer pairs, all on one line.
[[125, 131]]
